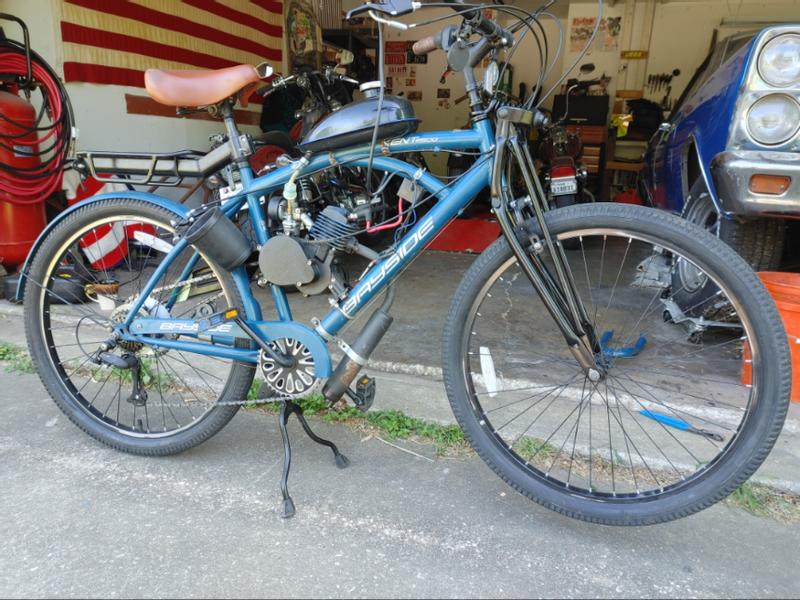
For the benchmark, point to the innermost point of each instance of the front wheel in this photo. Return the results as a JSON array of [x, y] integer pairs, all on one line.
[[672, 426]]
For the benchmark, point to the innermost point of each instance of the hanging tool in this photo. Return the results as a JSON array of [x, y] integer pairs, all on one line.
[[665, 101], [681, 424]]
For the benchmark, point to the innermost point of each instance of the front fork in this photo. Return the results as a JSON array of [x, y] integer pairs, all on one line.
[[558, 292]]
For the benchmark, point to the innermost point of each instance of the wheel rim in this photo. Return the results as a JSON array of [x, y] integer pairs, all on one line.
[[703, 213], [180, 390], [545, 423]]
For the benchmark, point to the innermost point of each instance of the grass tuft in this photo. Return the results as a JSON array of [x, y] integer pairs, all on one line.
[[762, 501], [391, 423], [17, 359]]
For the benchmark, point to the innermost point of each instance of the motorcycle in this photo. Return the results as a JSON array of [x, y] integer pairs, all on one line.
[[370, 205], [563, 176]]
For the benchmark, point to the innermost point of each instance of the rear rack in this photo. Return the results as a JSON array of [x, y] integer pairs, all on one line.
[[136, 168]]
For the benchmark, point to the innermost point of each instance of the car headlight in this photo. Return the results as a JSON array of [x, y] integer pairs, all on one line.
[[773, 119], [779, 61]]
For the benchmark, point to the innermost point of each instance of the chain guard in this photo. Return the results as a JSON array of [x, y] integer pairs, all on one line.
[[289, 382]]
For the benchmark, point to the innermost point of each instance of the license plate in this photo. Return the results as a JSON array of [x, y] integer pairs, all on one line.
[[562, 186]]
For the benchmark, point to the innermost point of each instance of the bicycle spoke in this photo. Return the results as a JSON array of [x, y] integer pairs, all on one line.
[[80, 326], [618, 452]]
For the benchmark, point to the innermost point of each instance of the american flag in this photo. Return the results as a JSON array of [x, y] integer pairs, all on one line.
[[115, 41]]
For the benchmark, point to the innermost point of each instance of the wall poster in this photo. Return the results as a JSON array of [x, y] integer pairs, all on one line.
[[303, 34], [607, 38]]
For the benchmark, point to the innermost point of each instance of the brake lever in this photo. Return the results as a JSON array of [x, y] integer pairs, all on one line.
[[273, 85], [381, 7], [389, 22]]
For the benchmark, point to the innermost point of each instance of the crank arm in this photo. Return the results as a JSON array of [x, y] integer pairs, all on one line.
[[279, 357]]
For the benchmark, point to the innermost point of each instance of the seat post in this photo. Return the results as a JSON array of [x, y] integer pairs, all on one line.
[[239, 153]]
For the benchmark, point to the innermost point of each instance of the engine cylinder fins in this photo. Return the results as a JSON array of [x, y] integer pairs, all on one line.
[[289, 382], [332, 226]]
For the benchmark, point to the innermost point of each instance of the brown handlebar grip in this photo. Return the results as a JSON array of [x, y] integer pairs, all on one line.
[[424, 46]]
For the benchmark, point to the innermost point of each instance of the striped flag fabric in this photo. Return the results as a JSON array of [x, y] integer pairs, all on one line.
[[115, 41], [107, 244]]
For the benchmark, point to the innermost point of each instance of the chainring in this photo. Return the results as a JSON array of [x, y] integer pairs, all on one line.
[[289, 382]]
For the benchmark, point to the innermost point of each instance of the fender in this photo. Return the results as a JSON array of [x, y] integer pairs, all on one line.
[[698, 146], [159, 201]]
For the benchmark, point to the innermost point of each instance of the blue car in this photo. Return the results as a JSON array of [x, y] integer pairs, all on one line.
[[728, 157]]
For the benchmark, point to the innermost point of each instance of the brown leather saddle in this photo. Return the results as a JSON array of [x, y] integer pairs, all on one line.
[[195, 88]]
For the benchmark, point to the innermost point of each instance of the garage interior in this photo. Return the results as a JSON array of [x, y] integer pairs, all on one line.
[[646, 53], [630, 80]]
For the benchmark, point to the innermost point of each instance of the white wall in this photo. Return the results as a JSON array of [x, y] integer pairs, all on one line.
[[681, 34], [680, 37], [525, 59], [100, 112], [605, 61]]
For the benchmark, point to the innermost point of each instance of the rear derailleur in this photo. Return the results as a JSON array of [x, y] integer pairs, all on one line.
[[127, 361]]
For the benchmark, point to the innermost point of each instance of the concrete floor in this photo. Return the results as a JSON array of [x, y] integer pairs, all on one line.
[[411, 352], [81, 519]]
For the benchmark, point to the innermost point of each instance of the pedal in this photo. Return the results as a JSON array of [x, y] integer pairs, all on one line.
[[364, 395]]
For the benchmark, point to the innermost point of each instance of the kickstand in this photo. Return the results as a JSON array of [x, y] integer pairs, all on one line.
[[287, 409]]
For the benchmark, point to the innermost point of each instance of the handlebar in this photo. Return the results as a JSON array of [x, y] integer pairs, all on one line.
[[266, 90], [488, 28], [424, 46], [282, 82], [491, 31]]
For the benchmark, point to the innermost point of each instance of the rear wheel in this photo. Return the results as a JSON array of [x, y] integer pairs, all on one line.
[[671, 427], [176, 400]]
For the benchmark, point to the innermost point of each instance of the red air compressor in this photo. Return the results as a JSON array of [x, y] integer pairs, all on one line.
[[34, 144]]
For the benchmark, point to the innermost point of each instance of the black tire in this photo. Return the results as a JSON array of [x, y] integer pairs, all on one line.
[[237, 384], [757, 434], [563, 202], [759, 241]]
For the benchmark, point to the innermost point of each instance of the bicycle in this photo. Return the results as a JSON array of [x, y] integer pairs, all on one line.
[[570, 373]]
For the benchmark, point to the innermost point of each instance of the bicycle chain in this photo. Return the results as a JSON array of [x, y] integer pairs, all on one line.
[[189, 281], [255, 402]]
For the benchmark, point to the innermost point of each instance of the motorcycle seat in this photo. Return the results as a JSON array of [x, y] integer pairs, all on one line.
[[194, 88]]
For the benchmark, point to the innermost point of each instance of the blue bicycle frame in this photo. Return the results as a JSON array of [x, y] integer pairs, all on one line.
[[450, 200]]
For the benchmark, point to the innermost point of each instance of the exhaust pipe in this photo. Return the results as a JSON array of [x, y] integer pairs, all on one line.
[[359, 352]]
